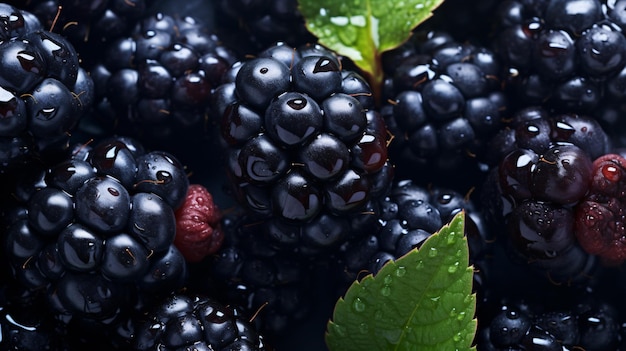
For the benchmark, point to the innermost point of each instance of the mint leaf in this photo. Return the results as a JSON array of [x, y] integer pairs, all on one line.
[[422, 301], [363, 29]]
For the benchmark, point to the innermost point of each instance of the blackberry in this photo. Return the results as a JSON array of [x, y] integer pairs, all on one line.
[[589, 321], [305, 150], [43, 90], [568, 55], [445, 101], [273, 286], [187, 321], [155, 85], [545, 172], [95, 231]]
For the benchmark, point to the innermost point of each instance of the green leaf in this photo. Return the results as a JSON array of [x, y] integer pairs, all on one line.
[[423, 301], [363, 29]]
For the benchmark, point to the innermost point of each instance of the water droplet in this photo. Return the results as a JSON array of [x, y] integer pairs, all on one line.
[[432, 252], [388, 279], [420, 265], [454, 267], [364, 328], [451, 238], [386, 290], [401, 271], [358, 305], [453, 312], [461, 316], [457, 337], [458, 253], [347, 35]]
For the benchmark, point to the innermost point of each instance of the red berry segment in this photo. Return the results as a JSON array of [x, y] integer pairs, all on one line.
[[600, 217], [198, 231]]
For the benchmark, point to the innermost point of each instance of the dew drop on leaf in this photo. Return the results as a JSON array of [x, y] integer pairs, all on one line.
[[385, 290], [401, 271], [358, 305], [453, 268], [432, 252], [388, 279], [364, 328]]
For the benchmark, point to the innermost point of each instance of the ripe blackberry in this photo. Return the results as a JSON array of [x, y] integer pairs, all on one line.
[[545, 171], [95, 231], [568, 55], [445, 101], [258, 24], [187, 321], [43, 90], [588, 321], [275, 287], [155, 85], [305, 151]]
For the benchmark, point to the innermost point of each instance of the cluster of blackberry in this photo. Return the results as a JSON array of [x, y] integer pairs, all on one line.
[[172, 182]]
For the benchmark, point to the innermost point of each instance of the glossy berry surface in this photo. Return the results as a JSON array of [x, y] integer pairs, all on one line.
[[198, 322], [99, 229], [303, 151], [44, 92]]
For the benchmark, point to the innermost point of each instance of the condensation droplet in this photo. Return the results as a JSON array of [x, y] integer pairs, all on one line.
[[453, 268], [433, 252], [385, 290], [358, 305], [401, 271]]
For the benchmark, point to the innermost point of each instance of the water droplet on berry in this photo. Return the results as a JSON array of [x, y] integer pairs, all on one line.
[[358, 305]]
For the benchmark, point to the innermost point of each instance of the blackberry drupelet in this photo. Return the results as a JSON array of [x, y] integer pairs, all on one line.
[[305, 150], [444, 102], [187, 321], [96, 231], [156, 84], [43, 90]]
